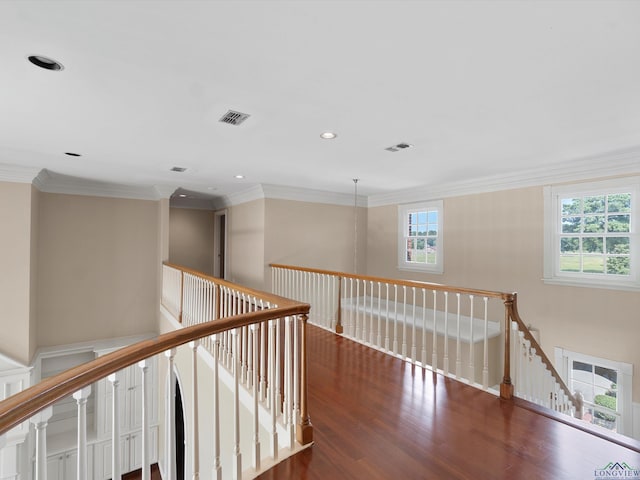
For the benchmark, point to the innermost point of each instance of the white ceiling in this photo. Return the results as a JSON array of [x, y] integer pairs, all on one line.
[[481, 89]]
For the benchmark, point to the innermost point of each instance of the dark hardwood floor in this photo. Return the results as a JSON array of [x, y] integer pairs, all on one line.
[[377, 417]]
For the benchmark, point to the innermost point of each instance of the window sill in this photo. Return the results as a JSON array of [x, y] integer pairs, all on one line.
[[434, 270], [574, 282]]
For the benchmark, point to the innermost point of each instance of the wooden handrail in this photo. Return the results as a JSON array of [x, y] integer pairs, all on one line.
[[23, 405], [407, 283], [511, 313], [267, 297], [515, 316]]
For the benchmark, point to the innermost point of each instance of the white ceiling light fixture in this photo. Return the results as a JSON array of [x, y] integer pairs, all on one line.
[[328, 135], [45, 62], [239, 177]]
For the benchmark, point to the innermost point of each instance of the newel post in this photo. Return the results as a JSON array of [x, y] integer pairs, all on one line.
[[339, 328], [506, 387], [304, 432]]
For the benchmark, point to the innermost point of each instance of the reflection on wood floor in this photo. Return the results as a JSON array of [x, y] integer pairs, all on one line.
[[377, 417]]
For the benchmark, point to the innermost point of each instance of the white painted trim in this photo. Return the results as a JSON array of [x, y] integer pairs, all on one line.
[[312, 196], [50, 182], [552, 274], [297, 194], [18, 174], [635, 409], [403, 210], [623, 162], [625, 383]]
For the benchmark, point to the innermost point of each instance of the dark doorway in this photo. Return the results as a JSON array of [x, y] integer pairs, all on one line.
[[179, 434], [220, 245]]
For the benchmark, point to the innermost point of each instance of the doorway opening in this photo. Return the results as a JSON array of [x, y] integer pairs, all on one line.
[[220, 245]]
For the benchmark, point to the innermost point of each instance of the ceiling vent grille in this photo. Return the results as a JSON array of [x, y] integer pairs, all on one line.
[[398, 147], [234, 118], [179, 169]]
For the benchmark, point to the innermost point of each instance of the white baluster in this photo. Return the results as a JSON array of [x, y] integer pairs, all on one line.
[[386, 318], [273, 402], [424, 328], [379, 342], [458, 347], [256, 423], [81, 397], [434, 346], [288, 373], [237, 456], [357, 313], [395, 319], [404, 321], [472, 372], [40, 421], [371, 332], [146, 460], [195, 440], [445, 359], [115, 426], [170, 408], [414, 352], [485, 367], [217, 468]]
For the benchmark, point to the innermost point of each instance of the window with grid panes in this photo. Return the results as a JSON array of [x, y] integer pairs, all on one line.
[[591, 237], [420, 237]]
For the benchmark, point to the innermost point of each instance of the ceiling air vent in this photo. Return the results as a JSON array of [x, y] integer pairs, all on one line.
[[234, 118], [179, 169], [398, 147]]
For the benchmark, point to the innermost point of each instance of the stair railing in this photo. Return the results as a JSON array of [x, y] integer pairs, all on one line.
[[259, 339], [475, 336]]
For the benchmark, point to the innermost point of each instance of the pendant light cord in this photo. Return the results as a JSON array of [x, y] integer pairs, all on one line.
[[355, 225]]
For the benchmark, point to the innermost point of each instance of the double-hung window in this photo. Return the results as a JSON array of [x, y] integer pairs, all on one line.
[[420, 237], [592, 234]]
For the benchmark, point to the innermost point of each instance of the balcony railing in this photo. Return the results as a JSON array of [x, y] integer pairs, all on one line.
[[254, 344], [475, 336]]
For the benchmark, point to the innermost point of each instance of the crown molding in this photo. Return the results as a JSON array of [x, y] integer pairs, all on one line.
[[244, 196], [50, 182], [280, 192], [18, 174], [622, 162]]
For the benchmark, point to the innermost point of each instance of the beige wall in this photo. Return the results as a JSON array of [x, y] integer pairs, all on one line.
[[191, 239], [495, 241], [246, 243], [18, 261], [314, 235], [98, 267]]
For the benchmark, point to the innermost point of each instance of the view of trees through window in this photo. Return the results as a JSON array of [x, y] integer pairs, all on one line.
[[422, 233], [595, 234]]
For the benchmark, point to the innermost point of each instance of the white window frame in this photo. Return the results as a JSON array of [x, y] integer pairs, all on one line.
[[403, 212], [564, 359], [552, 215]]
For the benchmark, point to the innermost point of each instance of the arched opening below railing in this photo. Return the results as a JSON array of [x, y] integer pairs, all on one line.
[[253, 341]]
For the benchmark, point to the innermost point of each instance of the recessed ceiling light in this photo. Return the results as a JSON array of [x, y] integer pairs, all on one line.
[[45, 62], [182, 195], [328, 135], [239, 177], [71, 154]]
